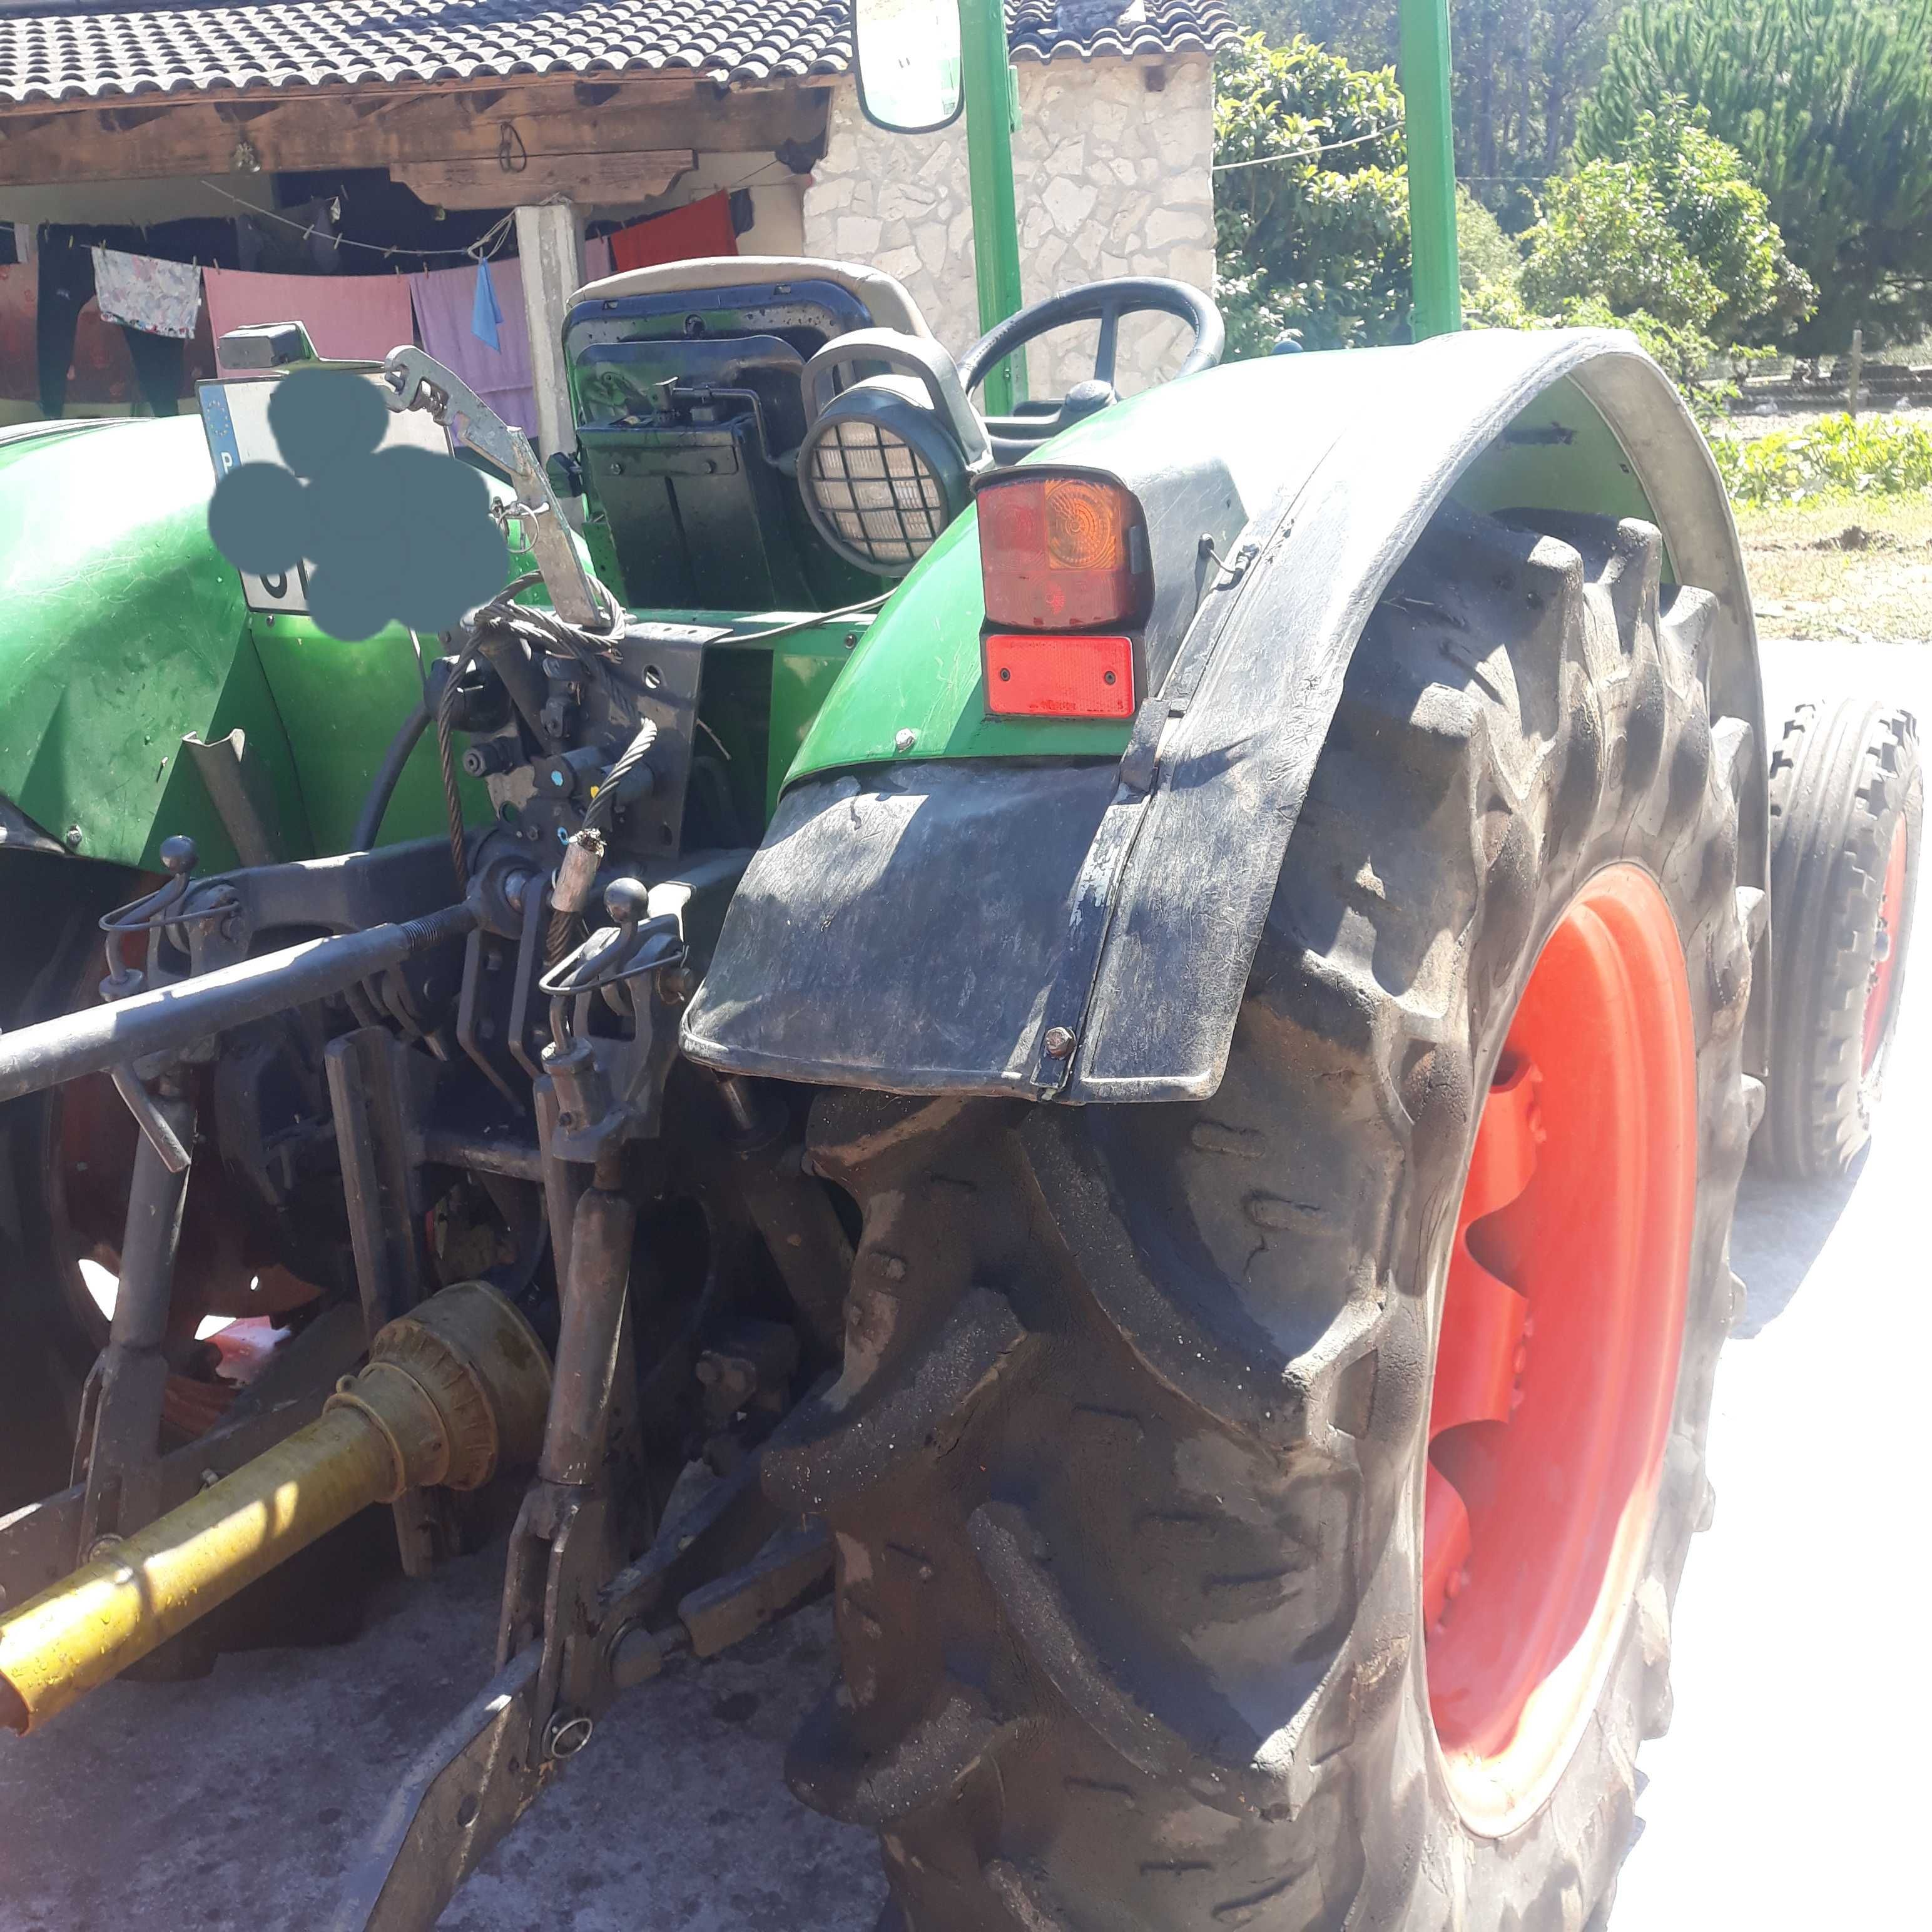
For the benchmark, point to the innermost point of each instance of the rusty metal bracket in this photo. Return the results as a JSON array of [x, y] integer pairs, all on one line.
[[372, 1092], [118, 1451]]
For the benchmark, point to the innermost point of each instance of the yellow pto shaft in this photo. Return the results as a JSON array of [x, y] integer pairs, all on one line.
[[454, 1391]]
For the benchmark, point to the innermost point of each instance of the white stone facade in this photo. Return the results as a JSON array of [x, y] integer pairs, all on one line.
[[1111, 166]]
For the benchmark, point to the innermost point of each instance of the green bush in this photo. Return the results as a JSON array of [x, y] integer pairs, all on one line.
[[1671, 228], [1488, 258], [1313, 236], [1863, 456]]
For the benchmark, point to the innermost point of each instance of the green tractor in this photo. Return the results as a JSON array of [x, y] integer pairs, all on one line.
[[1121, 1030]]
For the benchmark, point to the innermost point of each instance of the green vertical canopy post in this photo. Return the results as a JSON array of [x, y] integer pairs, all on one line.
[[984, 70], [1432, 167]]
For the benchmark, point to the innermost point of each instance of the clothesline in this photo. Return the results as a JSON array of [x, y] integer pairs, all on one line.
[[486, 244], [456, 313], [1306, 153]]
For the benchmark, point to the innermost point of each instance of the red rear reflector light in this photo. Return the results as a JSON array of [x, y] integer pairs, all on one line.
[[1063, 552], [1034, 676]]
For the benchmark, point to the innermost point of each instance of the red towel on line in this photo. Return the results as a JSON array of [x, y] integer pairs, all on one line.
[[699, 228], [349, 318]]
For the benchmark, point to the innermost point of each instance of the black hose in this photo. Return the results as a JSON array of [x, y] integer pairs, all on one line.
[[382, 786]]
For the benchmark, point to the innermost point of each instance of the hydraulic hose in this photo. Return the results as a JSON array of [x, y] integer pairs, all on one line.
[[388, 774]]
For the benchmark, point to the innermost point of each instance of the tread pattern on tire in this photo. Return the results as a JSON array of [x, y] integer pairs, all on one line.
[[1130, 1637], [1842, 777]]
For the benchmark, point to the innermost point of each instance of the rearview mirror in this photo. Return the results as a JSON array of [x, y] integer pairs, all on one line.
[[907, 56]]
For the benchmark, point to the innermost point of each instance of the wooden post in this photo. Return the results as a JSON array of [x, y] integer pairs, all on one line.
[[550, 242], [1858, 367]]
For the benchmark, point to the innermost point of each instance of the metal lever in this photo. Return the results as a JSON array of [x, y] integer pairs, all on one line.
[[417, 381]]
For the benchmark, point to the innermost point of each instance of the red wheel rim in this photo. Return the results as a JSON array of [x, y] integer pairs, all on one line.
[[1885, 949], [1556, 1365]]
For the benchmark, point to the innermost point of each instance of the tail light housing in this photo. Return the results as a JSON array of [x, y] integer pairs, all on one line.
[[1065, 565]]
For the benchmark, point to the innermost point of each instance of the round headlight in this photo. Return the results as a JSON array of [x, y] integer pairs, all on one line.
[[881, 475]]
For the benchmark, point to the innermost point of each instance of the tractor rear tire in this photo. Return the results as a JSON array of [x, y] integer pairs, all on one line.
[[1142, 1625], [1847, 817]]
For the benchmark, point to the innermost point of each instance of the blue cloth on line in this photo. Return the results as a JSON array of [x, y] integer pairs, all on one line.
[[484, 314]]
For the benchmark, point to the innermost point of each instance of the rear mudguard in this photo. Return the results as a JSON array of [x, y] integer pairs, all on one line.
[[1083, 931]]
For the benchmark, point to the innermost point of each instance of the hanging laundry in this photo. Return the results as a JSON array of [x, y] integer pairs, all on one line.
[[596, 258], [699, 228], [64, 259], [485, 316], [157, 298], [447, 300], [349, 318]]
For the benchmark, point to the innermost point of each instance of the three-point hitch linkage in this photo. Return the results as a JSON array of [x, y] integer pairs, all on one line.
[[469, 1026]]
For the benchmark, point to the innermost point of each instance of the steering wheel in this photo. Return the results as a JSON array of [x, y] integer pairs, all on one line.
[[1105, 302]]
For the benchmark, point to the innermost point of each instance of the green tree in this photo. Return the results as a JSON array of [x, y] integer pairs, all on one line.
[[1671, 227], [1311, 199], [1520, 67], [1829, 104]]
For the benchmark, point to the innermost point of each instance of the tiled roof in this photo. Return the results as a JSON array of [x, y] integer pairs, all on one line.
[[72, 49], [1055, 29]]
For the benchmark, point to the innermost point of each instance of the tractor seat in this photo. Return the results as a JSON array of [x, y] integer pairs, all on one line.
[[884, 298], [687, 380]]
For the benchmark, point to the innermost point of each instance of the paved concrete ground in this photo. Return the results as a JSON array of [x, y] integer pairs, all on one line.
[[1792, 1791], [1793, 1788]]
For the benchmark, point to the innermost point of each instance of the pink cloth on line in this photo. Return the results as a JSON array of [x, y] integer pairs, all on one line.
[[597, 258], [446, 299], [349, 318]]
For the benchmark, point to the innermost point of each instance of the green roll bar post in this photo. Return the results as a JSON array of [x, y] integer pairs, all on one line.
[[1432, 167], [986, 81], [990, 99]]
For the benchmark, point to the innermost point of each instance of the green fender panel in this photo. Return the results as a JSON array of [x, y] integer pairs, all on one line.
[[124, 630]]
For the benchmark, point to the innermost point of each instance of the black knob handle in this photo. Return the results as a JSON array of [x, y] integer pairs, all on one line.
[[179, 855], [628, 901]]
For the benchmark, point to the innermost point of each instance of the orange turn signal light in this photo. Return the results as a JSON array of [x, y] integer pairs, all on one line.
[[1060, 553], [1030, 676]]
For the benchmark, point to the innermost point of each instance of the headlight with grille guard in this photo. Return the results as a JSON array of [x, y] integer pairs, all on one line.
[[882, 475]]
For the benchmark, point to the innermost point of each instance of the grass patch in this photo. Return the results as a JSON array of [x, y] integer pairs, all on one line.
[[1864, 456], [1841, 565]]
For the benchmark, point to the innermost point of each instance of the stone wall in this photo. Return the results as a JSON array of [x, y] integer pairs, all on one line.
[[1111, 164]]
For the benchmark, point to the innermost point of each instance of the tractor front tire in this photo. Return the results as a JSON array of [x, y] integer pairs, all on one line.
[[1847, 817], [1168, 1556]]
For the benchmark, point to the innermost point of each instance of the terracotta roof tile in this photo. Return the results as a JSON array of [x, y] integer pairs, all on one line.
[[1047, 30], [54, 50]]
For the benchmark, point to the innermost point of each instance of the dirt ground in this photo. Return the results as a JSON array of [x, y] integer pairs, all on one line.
[[1856, 567]]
